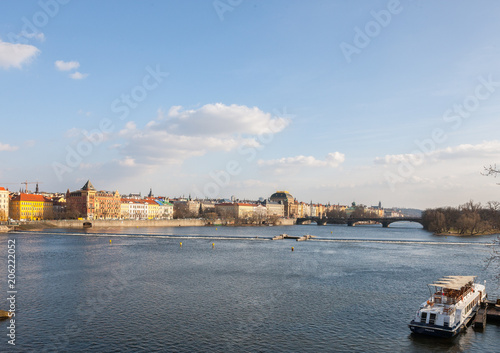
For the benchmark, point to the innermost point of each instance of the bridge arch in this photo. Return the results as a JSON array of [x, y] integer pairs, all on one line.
[[386, 223]]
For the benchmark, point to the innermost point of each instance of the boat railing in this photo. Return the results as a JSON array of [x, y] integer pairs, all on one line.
[[443, 299], [449, 310]]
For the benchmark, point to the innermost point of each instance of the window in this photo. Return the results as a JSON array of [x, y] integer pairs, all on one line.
[[424, 318], [432, 319]]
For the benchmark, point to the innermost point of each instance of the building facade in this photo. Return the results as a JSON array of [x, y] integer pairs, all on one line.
[[4, 204], [134, 209], [274, 208], [285, 198], [186, 209], [166, 209], [30, 207], [235, 210], [88, 203]]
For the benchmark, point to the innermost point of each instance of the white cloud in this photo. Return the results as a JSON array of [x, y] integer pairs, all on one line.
[[40, 36], [127, 162], [73, 132], [484, 149], [16, 55], [78, 75], [220, 120], [5, 147], [332, 160], [66, 65], [182, 134], [414, 159]]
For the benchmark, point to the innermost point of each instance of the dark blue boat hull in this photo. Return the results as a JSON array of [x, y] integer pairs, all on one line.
[[433, 330]]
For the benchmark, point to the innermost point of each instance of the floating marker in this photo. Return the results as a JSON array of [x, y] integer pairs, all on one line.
[[110, 241], [180, 244], [292, 248], [213, 245], [215, 228]]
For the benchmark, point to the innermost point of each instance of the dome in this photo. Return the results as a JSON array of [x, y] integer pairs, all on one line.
[[283, 196]]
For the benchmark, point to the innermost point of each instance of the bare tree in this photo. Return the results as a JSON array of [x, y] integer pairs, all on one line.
[[494, 259], [491, 170], [336, 213]]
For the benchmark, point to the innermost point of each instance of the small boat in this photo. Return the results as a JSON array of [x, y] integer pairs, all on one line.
[[450, 308]]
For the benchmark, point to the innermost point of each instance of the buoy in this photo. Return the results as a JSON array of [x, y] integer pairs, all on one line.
[[213, 245], [292, 248], [331, 232], [215, 228], [110, 241], [180, 244]]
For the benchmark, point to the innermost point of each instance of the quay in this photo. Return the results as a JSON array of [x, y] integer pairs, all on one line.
[[488, 312], [8, 226]]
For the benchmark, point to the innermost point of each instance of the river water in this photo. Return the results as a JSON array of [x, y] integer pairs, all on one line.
[[232, 289]]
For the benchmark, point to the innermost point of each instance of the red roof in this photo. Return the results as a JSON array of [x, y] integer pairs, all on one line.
[[2, 188], [30, 197]]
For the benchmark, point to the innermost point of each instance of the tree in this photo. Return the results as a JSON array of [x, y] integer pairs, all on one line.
[[491, 170], [359, 211], [434, 221], [210, 217], [336, 213], [494, 259]]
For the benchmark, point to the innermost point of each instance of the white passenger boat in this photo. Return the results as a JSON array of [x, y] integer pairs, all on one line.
[[450, 308]]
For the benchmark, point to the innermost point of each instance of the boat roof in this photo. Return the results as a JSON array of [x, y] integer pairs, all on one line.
[[453, 282]]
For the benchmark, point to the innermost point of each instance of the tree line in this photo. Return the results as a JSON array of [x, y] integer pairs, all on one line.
[[467, 219]]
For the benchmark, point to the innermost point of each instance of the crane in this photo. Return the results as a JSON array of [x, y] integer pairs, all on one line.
[[30, 182], [25, 184]]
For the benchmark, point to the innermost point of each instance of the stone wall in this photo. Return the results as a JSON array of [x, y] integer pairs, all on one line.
[[128, 223]]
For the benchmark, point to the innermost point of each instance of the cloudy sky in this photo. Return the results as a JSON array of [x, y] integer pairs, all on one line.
[[334, 101]]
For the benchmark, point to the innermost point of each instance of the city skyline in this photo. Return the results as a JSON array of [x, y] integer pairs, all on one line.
[[392, 101]]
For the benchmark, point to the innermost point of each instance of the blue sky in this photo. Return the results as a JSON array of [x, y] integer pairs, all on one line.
[[334, 101]]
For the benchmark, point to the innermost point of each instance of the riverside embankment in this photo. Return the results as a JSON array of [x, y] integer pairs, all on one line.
[[123, 223]]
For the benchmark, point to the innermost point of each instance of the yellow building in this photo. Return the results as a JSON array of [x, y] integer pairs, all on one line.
[[153, 208], [30, 207]]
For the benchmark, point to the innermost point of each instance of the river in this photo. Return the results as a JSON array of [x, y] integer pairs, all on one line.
[[232, 289]]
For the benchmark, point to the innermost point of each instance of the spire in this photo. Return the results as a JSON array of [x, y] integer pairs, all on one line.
[[36, 190], [150, 192], [88, 186]]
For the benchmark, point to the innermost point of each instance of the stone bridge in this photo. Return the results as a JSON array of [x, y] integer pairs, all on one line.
[[385, 221]]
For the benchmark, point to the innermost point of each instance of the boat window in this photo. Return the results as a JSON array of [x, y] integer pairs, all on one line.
[[446, 324], [424, 317], [432, 318]]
